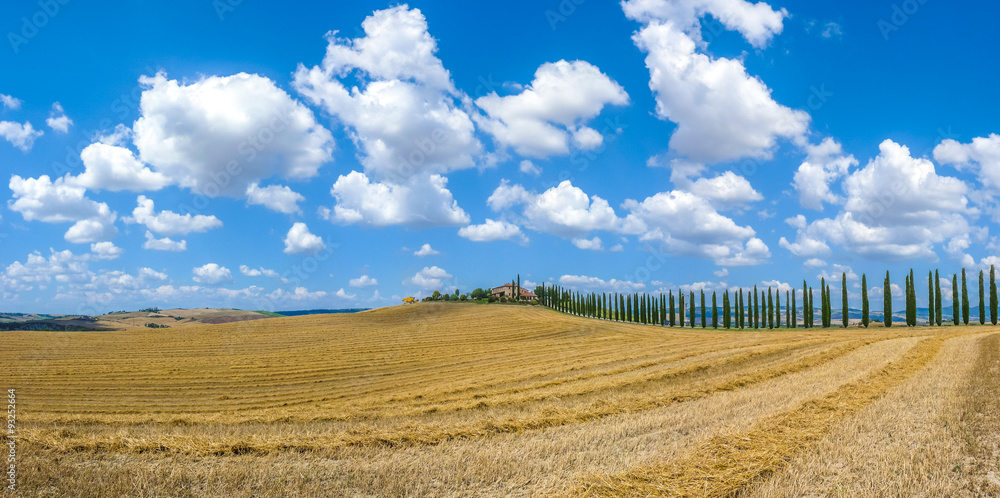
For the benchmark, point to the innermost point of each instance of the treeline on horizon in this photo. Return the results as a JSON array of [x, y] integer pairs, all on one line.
[[757, 309]]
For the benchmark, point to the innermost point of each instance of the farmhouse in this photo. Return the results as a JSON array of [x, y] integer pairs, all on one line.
[[507, 290]]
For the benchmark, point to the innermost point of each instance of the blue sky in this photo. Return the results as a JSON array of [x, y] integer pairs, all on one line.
[[266, 156]]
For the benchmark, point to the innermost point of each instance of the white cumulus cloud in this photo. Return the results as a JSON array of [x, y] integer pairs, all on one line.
[[563, 210], [275, 197], [169, 222], [542, 119], [430, 278], [426, 250], [58, 120], [493, 230], [105, 250], [218, 135], [114, 168], [165, 244], [211, 274], [363, 281], [20, 135], [722, 112], [300, 241], [422, 201]]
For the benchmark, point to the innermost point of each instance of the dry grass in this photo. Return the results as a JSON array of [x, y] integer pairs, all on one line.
[[452, 400]]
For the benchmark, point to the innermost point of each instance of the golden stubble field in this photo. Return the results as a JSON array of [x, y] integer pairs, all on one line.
[[467, 400]]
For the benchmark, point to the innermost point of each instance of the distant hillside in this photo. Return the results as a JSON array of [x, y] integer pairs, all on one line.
[[320, 312], [128, 320]]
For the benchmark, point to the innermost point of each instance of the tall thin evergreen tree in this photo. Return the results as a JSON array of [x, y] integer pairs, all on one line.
[[911, 301], [715, 312], [628, 308], [822, 303], [788, 309], [938, 306], [865, 320], [843, 299], [812, 309], [756, 309], [794, 322], [703, 324], [829, 307], [770, 309], [777, 308], [887, 301], [726, 318], [955, 304], [805, 303], [741, 314], [673, 310], [993, 296], [692, 309], [680, 308], [965, 300]]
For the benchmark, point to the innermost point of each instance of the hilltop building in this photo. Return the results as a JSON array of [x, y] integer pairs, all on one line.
[[507, 290]]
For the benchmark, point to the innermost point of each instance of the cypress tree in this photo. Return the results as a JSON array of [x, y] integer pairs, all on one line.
[[911, 301], [938, 307], [794, 322], [680, 308], [642, 309], [756, 309], [726, 318], [715, 312], [965, 300], [993, 296], [739, 308], [955, 304], [822, 302], [843, 299], [777, 308], [673, 310], [770, 309], [829, 308], [789, 305], [692, 309], [703, 317], [906, 299], [628, 308], [982, 303], [930, 298], [635, 308], [825, 296], [864, 301], [748, 309], [805, 303], [810, 311], [887, 301], [912, 297]]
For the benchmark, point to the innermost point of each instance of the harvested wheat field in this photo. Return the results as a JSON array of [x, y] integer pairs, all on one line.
[[469, 400]]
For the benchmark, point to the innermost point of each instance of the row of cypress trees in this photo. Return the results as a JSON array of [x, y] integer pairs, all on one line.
[[757, 309]]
